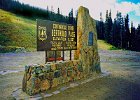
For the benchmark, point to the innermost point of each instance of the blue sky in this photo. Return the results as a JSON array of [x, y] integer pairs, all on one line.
[[134, 1], [134, 13], [131, 7]]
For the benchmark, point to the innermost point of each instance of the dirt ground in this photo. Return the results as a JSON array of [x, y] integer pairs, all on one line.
[[122, 84]]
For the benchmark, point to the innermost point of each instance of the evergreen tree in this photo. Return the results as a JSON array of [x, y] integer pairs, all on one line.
[[119, 31], [71, 19], [137, 39], [58, 11], [58, 17], [122, 33], [110, 27], [127, 32], [107, 27], [132, 43], [113, 33], [47, 8], [101, 27], [48, 13], [16, 7]]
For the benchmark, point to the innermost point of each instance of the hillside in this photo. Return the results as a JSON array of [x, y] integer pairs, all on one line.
[[17, 31]]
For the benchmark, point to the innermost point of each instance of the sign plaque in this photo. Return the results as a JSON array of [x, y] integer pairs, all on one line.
[[55, 36]]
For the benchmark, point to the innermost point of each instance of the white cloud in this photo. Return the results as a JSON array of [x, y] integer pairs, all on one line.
[[94, 6], [137, 9], [126, 7]]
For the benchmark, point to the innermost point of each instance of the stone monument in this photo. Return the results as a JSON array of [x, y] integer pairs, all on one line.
[[87, 49], [38, 78]]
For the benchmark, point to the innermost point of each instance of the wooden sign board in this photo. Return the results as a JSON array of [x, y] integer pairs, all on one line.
[[55, 36]]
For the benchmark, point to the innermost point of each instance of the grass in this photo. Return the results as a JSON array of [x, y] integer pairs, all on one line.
[[17, 31], [105, 46]]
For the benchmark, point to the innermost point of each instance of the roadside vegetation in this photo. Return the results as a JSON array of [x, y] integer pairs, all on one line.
[[103, 45], [18, 24], [17, 31]]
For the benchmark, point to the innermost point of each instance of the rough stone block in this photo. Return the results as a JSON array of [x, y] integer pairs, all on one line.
[[53, 67], [86, 53], [45, 85], [47, 68], [57, 74], [55, 82]]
